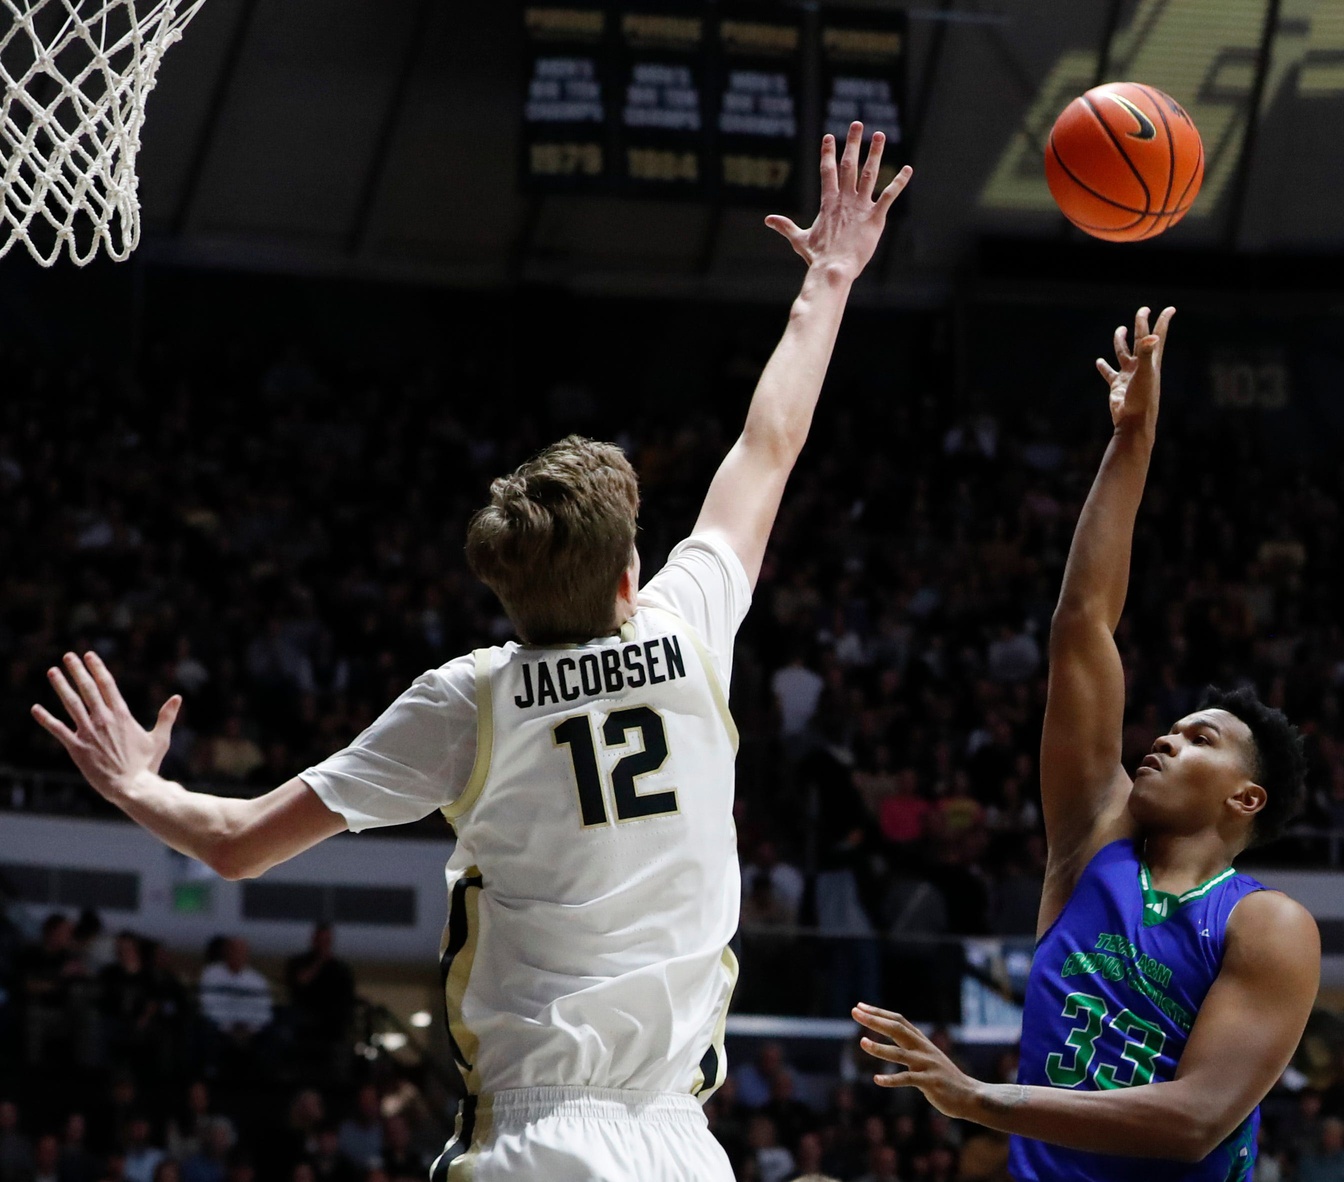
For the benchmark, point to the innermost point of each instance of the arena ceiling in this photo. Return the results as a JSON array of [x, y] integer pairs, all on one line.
[[363, 137]]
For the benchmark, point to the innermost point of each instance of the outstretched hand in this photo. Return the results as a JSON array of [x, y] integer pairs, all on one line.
[[944, 1084], [847, 230], [1136, 385], [107, 744]]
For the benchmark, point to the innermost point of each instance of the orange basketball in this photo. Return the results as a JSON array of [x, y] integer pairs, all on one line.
[[1124, 162]]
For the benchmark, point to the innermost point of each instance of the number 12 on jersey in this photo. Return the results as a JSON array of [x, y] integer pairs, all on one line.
[[576, 733]]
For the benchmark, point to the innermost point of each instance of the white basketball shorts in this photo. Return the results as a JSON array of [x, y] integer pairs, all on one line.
[[565, 1134]]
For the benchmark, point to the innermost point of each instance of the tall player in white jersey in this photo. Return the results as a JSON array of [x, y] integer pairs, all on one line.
[[587, 771]]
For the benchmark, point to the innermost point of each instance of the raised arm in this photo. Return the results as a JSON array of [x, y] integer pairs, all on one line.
[[1248, 1028], [120, 759], [1083, 786], [745, 494]]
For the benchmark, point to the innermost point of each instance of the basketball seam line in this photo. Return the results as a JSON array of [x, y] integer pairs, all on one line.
[[1198, 172], [1171, 147], [1138, 176], [1157, 217], [1141, 213]]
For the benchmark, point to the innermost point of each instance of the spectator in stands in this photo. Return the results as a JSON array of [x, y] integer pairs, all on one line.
[[797, 691], [957, 811], [77, 1164], [189, 674], [232, 754], [400, 1161], [982, 1157], [402, 1097], [126, 1004], [298, 1139], [942, 1130], [361, 1133], [762, 906], [1017, 893], [90, 942], [1324, 1162], [47, 1159], [167, 1171], [943, 1162], [142, 1156], [785, 882], [208, 1162], [170, 1006], [774, 1163], [755, 1081], [322, 996], [49, 969], [330, 1164], [111, 1115], [959, 876], [903, 813], [189, 1128], [842, 1133], [1302, 1125], [847, 890], [16, 1151], [807, 1162], [792, 1118], [874, 1141], [1269, 1162], [1013, 655], [883, 1165], [1011, 810], [11, 951], [234, 997], [114, 1166]]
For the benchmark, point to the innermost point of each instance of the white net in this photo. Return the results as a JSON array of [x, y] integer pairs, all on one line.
[[76, 74]]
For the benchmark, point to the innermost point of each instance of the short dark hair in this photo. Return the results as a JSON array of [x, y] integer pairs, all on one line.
[[556, 537], [1280, 765]]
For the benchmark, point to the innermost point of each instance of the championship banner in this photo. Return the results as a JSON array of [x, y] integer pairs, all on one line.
[[659, 104], [759, 84], [863, 76], [565, 111]]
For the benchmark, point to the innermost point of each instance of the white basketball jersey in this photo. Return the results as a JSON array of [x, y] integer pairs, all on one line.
[[594, 887]]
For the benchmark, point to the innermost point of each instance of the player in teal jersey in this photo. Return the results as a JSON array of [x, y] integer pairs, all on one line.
[[1156, 963]]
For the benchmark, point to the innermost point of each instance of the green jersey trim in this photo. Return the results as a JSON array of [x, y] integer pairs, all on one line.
[[1159, 906]]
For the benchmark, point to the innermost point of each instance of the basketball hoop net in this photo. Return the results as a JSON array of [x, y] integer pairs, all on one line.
[[76, 74]]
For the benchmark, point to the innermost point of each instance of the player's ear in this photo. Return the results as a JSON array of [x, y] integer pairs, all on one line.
[[628, 588], [1249, 800]]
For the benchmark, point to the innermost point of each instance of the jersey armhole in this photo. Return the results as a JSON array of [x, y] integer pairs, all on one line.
[[1258, 889], [1073, 894], [716, 686], [485, 740]]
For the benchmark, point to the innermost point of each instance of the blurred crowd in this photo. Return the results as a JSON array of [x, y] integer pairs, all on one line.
[[781, 1123], [277, 535], [118, 1066]]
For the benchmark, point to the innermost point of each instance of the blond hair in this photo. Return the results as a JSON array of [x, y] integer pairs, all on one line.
[[554, 540]]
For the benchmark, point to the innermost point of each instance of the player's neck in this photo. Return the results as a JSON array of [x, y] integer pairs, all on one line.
[[1181, 862]]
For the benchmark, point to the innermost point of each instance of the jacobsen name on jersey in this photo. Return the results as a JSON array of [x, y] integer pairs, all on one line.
[[586, 674]]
